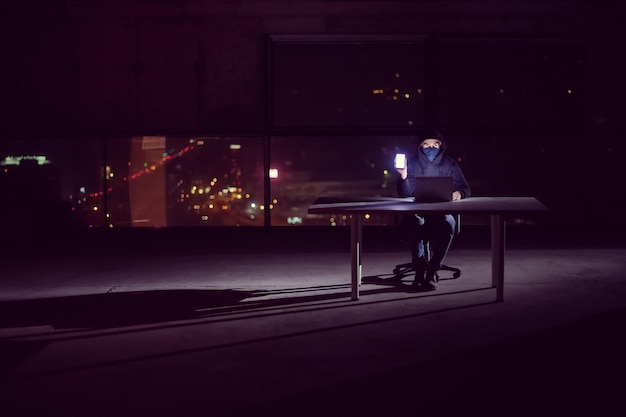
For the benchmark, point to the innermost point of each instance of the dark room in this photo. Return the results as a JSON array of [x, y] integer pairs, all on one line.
[[312, 207]]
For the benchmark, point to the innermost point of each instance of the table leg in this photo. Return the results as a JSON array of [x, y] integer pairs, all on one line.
[[497, 255], [356, 227]]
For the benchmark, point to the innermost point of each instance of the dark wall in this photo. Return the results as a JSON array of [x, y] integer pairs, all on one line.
[[189, 66]]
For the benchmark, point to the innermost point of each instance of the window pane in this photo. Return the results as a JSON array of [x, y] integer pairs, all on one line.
[[158, 181], [546, 167], [87, 182], [311, 167], [511, 84], [47, 185], [347, 84]]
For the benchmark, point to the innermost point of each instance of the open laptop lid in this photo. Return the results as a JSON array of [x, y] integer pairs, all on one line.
[[433, 189]]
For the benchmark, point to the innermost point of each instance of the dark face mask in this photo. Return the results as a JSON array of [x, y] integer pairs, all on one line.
[[431, 153]]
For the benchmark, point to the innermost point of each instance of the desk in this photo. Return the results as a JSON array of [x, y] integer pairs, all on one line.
[[496, 207]]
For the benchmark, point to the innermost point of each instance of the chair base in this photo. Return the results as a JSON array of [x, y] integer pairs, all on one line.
[[403, 270]]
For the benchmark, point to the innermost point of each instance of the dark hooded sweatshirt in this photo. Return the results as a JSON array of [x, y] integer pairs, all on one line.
[[442, 166]]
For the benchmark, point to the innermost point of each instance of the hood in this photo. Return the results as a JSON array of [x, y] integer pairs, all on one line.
[[432, 133]]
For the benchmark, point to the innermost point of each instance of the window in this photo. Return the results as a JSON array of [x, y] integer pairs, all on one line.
[[50, 184], [310, 167], [158, 181], [511, 84], [347, 83], [341, 107]]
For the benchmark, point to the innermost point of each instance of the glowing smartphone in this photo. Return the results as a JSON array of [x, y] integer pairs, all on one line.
[[400, 161]]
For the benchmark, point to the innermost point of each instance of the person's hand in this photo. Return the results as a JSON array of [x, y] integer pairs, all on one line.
[[403, 172], [456, 196]]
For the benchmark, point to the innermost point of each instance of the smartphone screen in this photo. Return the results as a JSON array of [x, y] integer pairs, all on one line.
[[400, 160]]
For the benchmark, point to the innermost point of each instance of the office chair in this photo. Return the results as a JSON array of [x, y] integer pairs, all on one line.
[[402, 270]]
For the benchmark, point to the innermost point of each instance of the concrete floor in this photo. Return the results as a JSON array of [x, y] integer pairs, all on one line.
[[164, 330]]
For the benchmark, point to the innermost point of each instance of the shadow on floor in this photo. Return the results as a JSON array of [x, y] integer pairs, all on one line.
[[110, 314], [114, 309], [129, 308]]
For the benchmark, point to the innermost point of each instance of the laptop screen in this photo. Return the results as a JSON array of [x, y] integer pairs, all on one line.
[[433, 189]]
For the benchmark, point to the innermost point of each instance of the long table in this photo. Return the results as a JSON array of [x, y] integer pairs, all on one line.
[[496, 207]]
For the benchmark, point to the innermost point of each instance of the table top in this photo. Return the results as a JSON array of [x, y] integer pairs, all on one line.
[[477, 205]]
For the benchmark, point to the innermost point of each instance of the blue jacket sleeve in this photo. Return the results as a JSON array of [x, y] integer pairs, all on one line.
[[405, 187], [459, 182]]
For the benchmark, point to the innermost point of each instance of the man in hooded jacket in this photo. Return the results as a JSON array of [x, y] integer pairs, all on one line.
[[432, 231]]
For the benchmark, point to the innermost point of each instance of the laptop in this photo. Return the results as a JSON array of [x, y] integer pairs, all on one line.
[[433, 189]]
